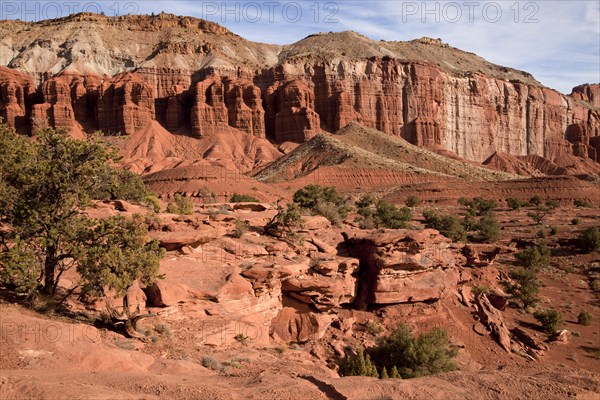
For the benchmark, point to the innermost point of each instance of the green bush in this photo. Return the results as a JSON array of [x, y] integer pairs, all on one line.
[[365, 206], [153, 202], [429, 353], [549, 319], [553, 230], [359, 364], [515, 204], [589, 240], [478, 205], [536, 200], [534, 257], [285, 224], [584, 318], [448, 225], [576, 221], [413, 201], [320, 199], [388, 215], [241, 227], [526, 286], [489, 228], [480, 290], [582, 203], [180, 205], [243, 198]]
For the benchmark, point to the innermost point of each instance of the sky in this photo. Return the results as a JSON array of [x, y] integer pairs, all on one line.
[[556, 41]]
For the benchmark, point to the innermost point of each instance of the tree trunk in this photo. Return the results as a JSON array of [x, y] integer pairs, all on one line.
[[49, 270]]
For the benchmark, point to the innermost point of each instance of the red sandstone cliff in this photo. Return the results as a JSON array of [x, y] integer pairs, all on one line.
[[214, 81]]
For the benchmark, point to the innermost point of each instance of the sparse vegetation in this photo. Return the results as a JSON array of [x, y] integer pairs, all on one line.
[[489, 228], [448, 225], [589, 240], [404, 355], [549, 319], [243, 198], [534, 257], [241, 227], [180, 205], [358, 364], [582, 203], [241, 338], [575, 221], [323, 201], [584, 318], [515, 204], [163, 328], [478, 290], [413, 201], [478, 206], [526, 286], [388, 215], [285, 224], [153, 202], [414, 356], [536, 200]]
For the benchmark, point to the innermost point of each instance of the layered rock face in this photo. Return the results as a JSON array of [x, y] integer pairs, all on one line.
[[404, 266], [213, 81]]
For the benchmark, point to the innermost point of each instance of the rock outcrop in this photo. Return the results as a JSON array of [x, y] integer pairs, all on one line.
[[400, 266]]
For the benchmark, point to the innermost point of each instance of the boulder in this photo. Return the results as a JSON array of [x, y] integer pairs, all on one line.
[[163, 293], [172, 241], [291, 325]]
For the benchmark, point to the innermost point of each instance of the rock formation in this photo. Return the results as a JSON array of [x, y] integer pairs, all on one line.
[[402, 266], [424, 90]]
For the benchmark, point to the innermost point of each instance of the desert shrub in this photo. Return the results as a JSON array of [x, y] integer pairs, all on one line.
[[536, 200], [489, 228], [241, 338], [549, 319], [243, 198], [553, 230], [448, 225], [539, 213], [576, 221], [478, 205], [589, 240], [552, 203], [322, 199], [414, 356], [180, 205], [413, 201], [534, 257], [582, 203], [374, 328], [515, 204], [388, 215], [285, 224], [584, 318], [365, 206], [163, 328], [329, 211], [212, 363], [384, 373], [153, 202], [206, 196], [358, 364], [480, 290], [526, 286], [241, 227]]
